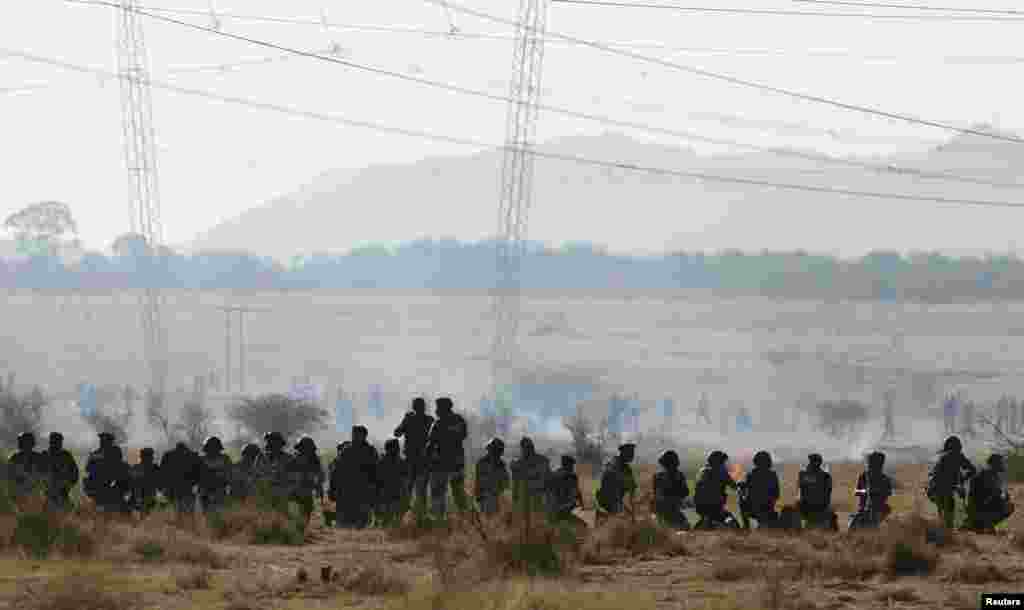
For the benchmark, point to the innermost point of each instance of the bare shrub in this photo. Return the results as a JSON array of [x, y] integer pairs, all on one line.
[[195, 422], [638, 538], [277, 412], [20, 414]]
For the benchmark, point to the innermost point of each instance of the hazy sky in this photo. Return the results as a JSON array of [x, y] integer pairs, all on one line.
[[64, 142]]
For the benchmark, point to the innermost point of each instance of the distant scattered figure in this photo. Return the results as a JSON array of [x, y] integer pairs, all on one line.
[[889, 398], [950, 410], [704, 409]]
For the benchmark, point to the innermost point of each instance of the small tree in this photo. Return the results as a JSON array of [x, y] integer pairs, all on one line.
[[20, 414], [40, 228], [588, 441], [277, 413], [156, 414], [195, 423]]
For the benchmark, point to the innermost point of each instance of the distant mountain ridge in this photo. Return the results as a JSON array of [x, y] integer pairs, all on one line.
[[639, 212]]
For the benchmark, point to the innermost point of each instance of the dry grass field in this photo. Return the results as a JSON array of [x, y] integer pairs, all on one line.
[[501, 564]]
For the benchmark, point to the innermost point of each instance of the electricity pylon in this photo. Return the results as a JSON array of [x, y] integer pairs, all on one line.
[[140, 157], [516, 190]]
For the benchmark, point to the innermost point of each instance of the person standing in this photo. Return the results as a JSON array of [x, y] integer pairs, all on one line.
[[62, 473], [414, 429], [447, 457]]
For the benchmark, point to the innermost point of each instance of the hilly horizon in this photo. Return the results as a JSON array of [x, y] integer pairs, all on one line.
[[633, 212]]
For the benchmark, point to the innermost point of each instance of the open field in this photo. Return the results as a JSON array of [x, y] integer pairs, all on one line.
[[162, 565], [764, 354]]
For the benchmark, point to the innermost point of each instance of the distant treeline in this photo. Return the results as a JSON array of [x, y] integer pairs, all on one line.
[[449, 264]]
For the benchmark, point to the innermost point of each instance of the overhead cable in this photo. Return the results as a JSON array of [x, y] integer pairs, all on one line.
[[917, 7], [588, 116], [483, 145], [792, 13], [807, 97]]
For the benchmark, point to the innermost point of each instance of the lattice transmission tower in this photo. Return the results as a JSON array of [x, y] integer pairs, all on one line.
[[140, 158], [516, 189]]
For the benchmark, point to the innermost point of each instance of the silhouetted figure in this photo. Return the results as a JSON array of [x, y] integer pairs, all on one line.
[[618, 482], [874, 488], [354, 481], [947, 477], [392, 485], [989, 504], [214, 475], [491, 477], [180, 468], [447, 458], [761, 492], [564, 494], [62, 473], [710, 495], [415, 428], [244, 475], [94, 475], [146, 481], [816, 495], [670, 492], [529, 477], [307, 474], [27, 468]]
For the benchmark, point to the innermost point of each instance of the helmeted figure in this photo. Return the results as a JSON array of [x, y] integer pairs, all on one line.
[[180, 469], [710, 495], [816, 495], [491, 477], [243, 476], [146, 482], [529, 477], [115, 491], [214, 475], [26, 468], [447, 458], [564, 495], [307, 472], [670, 491], [273, 469], [946, 478], [761, 491], [354, 483], [392, 485], [617, 481], [415, 428], [989, 504], [61, 473], [874, 488], [94, 476]]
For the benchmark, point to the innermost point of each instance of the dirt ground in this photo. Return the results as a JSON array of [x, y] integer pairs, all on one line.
[[392, 570]]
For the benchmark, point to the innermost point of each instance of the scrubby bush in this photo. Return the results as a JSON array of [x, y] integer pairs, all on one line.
[[40, 533]]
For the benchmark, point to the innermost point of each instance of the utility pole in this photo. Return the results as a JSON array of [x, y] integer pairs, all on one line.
[[516, 190], [140, 157], [241, 311]]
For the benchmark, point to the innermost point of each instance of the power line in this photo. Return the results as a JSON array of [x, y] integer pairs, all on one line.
[[790, 13], [915, 7], [463, 35], [482, 145], [586, 116], [743, 82]]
